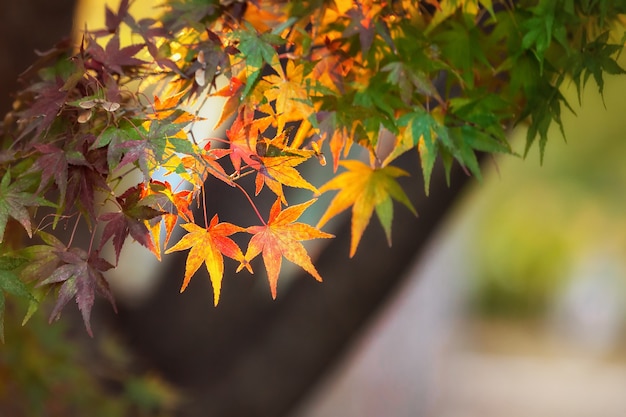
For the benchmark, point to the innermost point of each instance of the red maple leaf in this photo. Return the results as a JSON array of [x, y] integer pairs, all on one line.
[[53, 164], [112, 19], [233, 91], [50, 97], [361, 23], [131, 219], [242, 145], [79, 277], [113, 57], [281, 237], [87, 172]]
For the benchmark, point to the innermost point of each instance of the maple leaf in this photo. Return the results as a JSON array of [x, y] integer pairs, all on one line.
[[281, 237], [332, 65], [79, 277], [424, 132], [233, 93], [276, 163], [197, 167], [53, 164], [42, 259], [365, 189], [10, 283], [87, 172], [242, 144], [112, 19], [409, 79], [169, 110], [209, 245], [148, 148], [292, 99], [131, 219], [180, 200], [361, 23], [277, 171], [149, 29], [258, 49], [114, 58], [50, 97], [594, 58], [338, 136], [14, 198], [176, 206]]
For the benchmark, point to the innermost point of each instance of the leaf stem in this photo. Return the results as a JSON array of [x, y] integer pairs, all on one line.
[[69, 244], [256, 210], [206, 221]]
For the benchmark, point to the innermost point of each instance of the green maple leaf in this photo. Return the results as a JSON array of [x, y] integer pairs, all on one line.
[[257, 49], [425, 133], [545, 25], [595, 58], [14, 200], [147, 148], [10, 283]]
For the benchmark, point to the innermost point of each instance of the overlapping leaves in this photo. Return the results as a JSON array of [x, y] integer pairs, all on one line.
[[446, 79]]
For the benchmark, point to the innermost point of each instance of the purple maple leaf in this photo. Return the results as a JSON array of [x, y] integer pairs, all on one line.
[[80, 277]]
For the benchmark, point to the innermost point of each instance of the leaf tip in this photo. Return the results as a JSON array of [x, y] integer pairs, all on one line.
[[184, 285]]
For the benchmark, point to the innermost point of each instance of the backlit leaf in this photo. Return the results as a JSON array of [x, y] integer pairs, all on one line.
[[209, 246], [281, 237], [365, 189]]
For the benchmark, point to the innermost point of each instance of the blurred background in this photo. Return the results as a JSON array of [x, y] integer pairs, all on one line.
[[514, 304], [517, 306]]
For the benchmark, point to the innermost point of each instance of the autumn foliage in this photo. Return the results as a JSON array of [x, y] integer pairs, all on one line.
[[357, 83]]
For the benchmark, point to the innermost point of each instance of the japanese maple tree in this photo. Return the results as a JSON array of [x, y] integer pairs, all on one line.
[[446, 79]]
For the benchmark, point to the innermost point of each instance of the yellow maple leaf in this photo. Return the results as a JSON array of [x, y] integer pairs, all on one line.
[[365, 189], [292, 99]]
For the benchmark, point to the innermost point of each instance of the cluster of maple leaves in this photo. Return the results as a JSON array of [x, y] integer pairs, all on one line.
[[446, 78]]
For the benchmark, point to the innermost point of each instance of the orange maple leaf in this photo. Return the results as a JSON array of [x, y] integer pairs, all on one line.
[[204, 162], [208, 245], [280, 237], [166, 108], [242, 144], [365, 189], [233, 93], [277, 162], [338, 135], [176, 206]]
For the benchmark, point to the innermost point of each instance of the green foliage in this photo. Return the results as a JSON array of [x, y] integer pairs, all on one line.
[[447, 79], [46, 371]]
